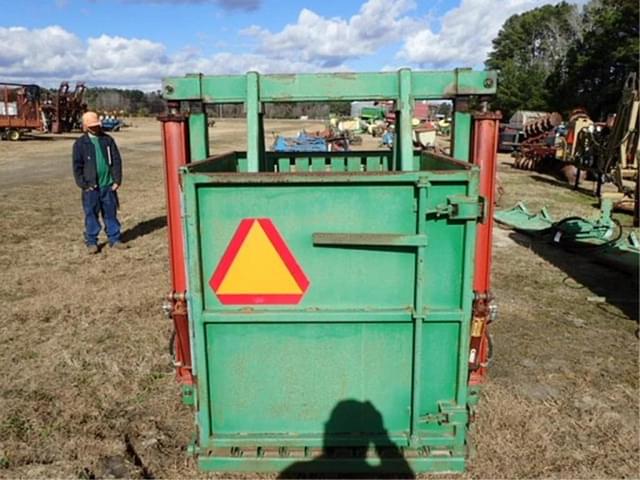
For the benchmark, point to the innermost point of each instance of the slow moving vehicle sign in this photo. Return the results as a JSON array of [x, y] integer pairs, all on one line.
[[258, 268]]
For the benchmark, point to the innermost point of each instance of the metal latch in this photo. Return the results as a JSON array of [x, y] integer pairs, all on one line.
[[370, 239], [460, 207], [438, 418], [448, 413]]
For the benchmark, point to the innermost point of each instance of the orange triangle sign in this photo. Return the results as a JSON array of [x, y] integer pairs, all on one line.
[[258, 268]]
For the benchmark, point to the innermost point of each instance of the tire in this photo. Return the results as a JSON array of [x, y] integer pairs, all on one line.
[[14, 135]]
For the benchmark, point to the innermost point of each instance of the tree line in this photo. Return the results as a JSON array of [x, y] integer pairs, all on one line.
[[559, 57], [139, 103]]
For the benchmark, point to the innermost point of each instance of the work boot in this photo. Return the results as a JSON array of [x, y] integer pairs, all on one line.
[[119, 246], [92, 249]]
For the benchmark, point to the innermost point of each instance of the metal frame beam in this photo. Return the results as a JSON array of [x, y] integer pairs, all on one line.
[[424, 85], [404, 87]]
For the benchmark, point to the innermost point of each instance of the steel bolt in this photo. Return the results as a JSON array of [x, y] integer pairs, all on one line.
[[493, 312], [488, 83]]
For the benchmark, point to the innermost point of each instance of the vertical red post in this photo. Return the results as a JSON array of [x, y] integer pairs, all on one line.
[[175, 140], [485, 155]]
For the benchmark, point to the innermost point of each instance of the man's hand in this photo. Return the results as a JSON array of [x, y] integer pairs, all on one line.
[[89, 189], [115, 187]]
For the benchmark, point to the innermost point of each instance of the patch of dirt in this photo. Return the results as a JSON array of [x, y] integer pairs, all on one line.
[[89, 390]]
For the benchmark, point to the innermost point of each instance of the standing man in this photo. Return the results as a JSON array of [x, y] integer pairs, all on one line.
[[97, 169]]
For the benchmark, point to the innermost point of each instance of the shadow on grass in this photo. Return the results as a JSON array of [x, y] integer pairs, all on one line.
[[49, 137], [564, 184], [351, 419], [144, 228], [619, 289]]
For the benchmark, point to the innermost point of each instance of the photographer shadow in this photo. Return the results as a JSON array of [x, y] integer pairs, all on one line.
[[348, 418]]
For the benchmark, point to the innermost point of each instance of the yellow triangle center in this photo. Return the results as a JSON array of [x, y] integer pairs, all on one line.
[[258, 269]]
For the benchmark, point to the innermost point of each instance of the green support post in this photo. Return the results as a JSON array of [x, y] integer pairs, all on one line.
[[198, 131], [418, 315], [405, 108], [461, 140], [253, 122]]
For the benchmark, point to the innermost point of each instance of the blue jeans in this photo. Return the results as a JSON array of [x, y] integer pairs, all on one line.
[[99, 201]]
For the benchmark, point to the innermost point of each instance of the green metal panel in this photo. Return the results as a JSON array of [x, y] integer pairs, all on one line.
[[253, 122], [198, 136], [277, 202], [331, 86], [405, 107], [462, 136], [383, 328], [309, 87], [182, 88], [292, 377], [224, 89]]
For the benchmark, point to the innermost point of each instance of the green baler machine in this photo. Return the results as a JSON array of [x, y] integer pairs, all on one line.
[[329, 294]]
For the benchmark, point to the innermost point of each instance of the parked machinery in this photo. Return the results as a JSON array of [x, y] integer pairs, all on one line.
[[64, 111], [538, 144], [352, 286], [512, 133], [603, 150], [19, 110]]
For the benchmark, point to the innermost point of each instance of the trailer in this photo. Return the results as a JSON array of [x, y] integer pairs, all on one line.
[[19, 110], [331, 309]]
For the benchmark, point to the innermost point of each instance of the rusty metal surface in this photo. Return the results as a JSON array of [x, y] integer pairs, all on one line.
[[64, 110], [20, 106]]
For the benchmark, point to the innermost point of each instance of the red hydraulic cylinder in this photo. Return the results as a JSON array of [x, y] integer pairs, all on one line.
[[175, 140], [485, 155]]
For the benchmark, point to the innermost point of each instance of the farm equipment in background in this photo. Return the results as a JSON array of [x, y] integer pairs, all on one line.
[[538, 146], [63, 111], [302, 143], [606, 151], [377, 118], [601, 239], [512, 133], [328, 140], [110, 123], [19, 110]]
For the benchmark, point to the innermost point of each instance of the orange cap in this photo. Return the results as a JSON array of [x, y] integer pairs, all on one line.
[[90, 119]]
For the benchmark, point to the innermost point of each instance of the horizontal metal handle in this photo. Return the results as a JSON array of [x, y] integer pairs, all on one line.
[[370, 239]]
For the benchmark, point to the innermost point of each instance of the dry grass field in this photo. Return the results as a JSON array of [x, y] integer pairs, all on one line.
[[89, 390]]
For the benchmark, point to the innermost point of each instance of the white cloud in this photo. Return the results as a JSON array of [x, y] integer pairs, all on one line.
[[39, 53], [49, 55], [465, 36], [329, 42]]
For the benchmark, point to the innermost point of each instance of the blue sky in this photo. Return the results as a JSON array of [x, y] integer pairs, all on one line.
[[137, 42]]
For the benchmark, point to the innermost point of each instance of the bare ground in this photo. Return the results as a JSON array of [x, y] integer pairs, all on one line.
[[89, 389]]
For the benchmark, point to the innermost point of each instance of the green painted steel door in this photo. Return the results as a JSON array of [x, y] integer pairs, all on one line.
[[286, 375], [383, 319]]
